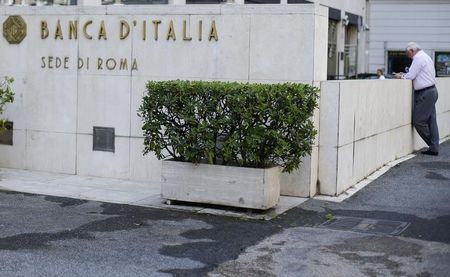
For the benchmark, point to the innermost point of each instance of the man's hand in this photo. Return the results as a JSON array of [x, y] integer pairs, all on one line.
[[398, 75]]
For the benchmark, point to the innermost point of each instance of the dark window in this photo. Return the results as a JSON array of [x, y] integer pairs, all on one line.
[[442, 63], [398, 61], [103, 139], [334, 14], [353, 18]]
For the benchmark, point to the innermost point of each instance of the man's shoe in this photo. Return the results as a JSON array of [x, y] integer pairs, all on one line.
[[431, 153]]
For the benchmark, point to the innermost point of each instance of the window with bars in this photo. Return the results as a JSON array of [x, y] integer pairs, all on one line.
[[350, 51]]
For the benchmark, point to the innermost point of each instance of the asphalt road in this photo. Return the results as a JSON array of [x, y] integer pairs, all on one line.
[[52, 236]]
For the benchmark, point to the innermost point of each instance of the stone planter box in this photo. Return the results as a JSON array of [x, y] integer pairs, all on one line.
[[253, 188]]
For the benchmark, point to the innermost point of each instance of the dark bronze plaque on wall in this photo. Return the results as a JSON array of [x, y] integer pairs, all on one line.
[[6, 136], [103, 139]]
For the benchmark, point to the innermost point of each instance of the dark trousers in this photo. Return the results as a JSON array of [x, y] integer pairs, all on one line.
[[424, 117]]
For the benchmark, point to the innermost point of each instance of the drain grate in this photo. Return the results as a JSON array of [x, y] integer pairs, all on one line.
[[366, 225]]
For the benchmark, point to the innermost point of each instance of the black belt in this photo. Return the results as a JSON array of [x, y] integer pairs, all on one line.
[[424, 89]]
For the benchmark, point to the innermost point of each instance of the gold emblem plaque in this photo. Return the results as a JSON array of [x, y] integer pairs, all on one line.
[[14, 29]]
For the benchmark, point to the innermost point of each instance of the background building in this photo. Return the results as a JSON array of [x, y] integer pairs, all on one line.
[[393, 23], [346, 37]]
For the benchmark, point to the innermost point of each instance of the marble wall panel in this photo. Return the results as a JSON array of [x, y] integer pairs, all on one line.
[[282, 47], [329, 113], [345, 167], [390, 100], [313, 185], [443, 103], [50, 151], [444, 124], [50, 102], [443, 107], [14, 156], [103, 164], [104, 101], [297, 183], [143, 168], [327, 169], [138, 91], [348, 95]]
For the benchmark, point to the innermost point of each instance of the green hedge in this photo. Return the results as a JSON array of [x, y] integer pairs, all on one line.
[[250, 125], [6, 96]]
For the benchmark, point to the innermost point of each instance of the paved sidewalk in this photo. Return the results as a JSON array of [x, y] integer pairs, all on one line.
[[120, 192], [360, 236], [147, 194]]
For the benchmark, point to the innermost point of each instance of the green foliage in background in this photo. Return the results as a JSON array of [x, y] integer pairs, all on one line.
[[6, 96], [250, 125]]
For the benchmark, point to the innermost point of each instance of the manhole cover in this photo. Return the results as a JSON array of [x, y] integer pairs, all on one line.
[[366, 225]]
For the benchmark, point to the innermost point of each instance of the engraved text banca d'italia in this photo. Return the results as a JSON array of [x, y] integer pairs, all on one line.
[[145, 30]]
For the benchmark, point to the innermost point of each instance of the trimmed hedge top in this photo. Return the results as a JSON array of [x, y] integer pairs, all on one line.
[[250, 125]]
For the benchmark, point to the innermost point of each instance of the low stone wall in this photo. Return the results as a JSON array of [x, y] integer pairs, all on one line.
[[366, 124]]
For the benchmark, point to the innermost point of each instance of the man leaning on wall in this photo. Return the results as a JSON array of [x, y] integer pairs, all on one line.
[[422, 74]]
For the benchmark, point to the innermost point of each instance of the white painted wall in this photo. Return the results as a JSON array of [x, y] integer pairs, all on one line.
[[366, 124], [395, 23], [56, 109]]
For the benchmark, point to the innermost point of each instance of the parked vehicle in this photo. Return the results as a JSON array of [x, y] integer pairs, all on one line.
[[369, 76]]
